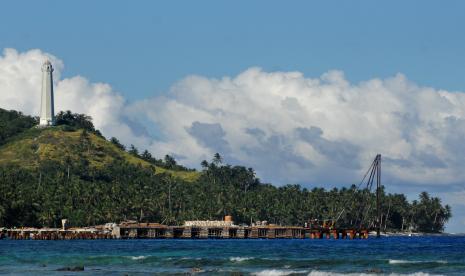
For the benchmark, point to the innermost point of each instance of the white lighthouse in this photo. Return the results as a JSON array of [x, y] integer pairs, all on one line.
[[47, 111]]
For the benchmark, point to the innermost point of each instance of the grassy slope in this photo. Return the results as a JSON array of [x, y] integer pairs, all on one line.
[[34, 145]]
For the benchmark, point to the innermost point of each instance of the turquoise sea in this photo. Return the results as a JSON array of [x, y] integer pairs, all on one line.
[[441, 255]]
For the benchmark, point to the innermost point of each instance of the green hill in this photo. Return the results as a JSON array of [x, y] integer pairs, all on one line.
[[65, 145]]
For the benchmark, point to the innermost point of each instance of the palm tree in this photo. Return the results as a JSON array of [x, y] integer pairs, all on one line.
[[217, 159]]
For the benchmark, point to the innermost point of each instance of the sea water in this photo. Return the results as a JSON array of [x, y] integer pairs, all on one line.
[[439, 255]]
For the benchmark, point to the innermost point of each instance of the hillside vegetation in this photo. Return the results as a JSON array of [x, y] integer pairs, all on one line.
[[66, 145], [13, 122], [71, 171]]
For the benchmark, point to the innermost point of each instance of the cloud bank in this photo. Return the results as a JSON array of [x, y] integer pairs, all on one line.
[[321, 130], [289, 127]]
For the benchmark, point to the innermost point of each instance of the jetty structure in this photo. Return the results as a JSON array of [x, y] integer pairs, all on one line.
[[225, 229]]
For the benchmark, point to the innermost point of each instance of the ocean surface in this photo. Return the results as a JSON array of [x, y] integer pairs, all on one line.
[[386, 256]]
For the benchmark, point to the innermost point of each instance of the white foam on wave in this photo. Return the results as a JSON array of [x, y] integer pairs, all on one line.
[[278, 272], [240, 259], [137, 257], [414, 274], [402, 262], [190, 258], [328, 273], [415, 262]]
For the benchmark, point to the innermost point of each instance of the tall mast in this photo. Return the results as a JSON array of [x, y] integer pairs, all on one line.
[[378, 195]]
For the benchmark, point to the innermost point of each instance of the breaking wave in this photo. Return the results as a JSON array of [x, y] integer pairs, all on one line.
[[240, 259], [327, 273], [278, 272], [137, 257], [415, 262]]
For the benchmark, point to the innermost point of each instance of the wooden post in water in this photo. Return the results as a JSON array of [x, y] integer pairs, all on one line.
[[169, 233], [204, 233], [187, 233], [240, 233], [225, 233]]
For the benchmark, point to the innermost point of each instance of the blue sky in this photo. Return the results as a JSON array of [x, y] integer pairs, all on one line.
[[398, 89], [142, 47]]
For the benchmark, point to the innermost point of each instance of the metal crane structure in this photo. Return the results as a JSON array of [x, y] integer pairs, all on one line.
[[375, 173], [371, 178], [374, 178]]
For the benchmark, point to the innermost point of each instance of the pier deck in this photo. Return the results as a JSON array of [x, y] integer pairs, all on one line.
[[158, 231]]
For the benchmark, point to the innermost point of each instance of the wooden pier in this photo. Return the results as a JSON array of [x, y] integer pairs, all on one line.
[[159, 231]]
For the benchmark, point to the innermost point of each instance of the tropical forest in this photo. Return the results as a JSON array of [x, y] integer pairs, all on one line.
[[72, 171]]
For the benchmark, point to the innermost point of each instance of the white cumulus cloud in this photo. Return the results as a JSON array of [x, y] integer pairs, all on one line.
[[313, 130]]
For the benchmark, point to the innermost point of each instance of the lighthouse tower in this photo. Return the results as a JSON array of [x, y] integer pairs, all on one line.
[[47, 112]]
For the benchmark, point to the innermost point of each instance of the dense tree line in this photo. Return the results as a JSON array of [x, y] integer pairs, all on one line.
[[73, 121], [168, 162], [87, 195], [14, 122], [121, 191]]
